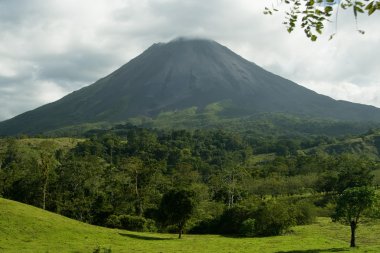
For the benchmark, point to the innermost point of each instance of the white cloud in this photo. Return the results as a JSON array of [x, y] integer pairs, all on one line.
[[50, 48], [368, 94]]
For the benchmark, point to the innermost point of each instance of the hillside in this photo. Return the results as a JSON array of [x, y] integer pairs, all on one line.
[[27, 146], [185, 75], [28, 229], [364, 145]]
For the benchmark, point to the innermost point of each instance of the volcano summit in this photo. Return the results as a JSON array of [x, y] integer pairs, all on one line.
[[180, 74]]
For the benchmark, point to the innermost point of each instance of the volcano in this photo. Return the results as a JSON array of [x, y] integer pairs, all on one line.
[[180, 74]]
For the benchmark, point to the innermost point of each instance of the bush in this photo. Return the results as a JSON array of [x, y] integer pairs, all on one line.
[[208, 226], [150, 226], [268, 219], [229, 223], [231, 220], [133, 223], [113, 221], [304, 213], [273, 218], [248, 227]]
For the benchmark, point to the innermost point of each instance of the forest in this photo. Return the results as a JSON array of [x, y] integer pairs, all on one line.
[[227, 183]]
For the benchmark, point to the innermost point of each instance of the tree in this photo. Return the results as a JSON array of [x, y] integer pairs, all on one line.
[[230, 184], [177, 207], [135, 168], [350, 207], [79, 185], [46, 163], [346, 171], [314, 14]]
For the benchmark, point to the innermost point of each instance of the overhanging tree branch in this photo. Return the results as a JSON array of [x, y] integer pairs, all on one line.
[[313, 15]]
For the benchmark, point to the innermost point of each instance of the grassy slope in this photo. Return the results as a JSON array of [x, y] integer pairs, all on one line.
[[27, 145], [363, 145], [28, 229]]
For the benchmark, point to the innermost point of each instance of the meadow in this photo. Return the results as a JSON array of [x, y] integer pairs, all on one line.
[[24, 228]]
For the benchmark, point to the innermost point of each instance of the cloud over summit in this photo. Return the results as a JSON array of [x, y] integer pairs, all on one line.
[[50, 48]]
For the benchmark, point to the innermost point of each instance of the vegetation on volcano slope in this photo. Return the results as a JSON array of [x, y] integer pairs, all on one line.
[[259, 124]]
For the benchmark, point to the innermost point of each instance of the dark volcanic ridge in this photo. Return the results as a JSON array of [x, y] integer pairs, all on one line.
[[181, 74]]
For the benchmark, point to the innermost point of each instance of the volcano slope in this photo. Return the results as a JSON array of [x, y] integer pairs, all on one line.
[[184, 73]]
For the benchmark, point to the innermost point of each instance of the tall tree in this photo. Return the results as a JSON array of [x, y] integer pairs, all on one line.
[[350, 207], [46, 163], [135, 168], [176, 208]]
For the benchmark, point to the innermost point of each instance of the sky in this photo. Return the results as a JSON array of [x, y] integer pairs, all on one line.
[[49, 48]]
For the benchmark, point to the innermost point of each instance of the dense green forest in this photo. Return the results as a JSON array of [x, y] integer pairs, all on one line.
[[236, 182]]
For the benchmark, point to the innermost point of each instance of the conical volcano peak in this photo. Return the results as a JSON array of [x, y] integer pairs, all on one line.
[[180, 74], [196, 44], [185, 40]]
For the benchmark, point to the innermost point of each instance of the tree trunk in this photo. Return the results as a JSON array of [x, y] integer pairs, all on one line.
[[45, 186], [353, 229], [139, 206], [44, 195], [180, 233]]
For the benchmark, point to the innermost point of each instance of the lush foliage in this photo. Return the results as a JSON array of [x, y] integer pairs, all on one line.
[[129, 222], [118, 178]]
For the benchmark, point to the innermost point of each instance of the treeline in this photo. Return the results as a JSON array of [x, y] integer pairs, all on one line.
[[118, 179]]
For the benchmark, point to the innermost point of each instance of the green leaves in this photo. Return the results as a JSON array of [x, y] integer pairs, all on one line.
[[352, 203], [315, 14], [372, 7]]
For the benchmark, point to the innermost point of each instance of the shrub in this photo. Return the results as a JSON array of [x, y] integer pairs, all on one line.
[[268, 219], [208, 226], [232, 218], [113, 221], [133, 223], [273, 218], [248, 227], [304, 213], [150, 225]]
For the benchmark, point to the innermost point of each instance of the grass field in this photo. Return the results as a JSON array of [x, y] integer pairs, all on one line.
[[28, 229]]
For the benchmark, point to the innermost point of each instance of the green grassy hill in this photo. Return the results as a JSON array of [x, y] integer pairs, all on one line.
[[28, 229], [367, 144]]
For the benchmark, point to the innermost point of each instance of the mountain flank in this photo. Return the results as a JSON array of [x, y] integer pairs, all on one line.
[[181, 74]]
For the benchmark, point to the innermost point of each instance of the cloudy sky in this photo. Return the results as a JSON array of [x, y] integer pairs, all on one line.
[[49, 48]]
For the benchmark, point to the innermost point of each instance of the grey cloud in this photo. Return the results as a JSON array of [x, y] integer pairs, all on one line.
[[55, 47], [79, 65]]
